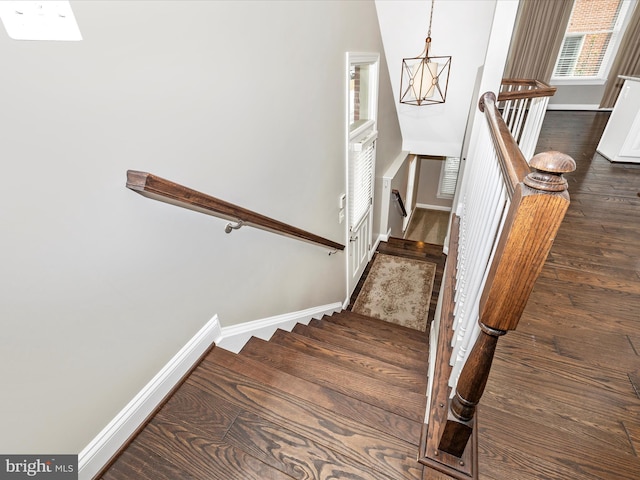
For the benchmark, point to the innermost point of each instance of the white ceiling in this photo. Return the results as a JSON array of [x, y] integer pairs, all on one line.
[[461, 29]]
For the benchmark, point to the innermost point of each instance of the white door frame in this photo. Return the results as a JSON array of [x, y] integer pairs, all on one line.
[[357, 246]]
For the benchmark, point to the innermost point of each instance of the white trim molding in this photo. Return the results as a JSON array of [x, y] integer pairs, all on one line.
[[440, 208], [236, 336], [107, 443], [577, 106]]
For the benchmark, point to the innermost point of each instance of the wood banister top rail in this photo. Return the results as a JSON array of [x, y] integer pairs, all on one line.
[[158, 188], [536, 88], [512, 162]]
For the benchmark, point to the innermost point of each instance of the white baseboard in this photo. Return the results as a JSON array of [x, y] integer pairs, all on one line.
[[107, 443], [577, 106], [382, 238], [376, 243], [426, 206], [236, 336]]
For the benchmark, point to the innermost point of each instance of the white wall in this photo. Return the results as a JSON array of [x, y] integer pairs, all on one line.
[[461, 30], [100, 286], [487, 78], [576, 97], [428, 184]]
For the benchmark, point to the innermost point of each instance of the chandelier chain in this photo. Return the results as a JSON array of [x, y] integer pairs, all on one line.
[[431, 18]]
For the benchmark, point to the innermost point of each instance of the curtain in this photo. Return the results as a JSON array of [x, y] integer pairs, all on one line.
[[627, 61], [537, 38]]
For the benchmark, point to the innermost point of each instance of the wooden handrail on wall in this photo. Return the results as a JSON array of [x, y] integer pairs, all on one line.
[[516, 88], [166, 191], [538, 203]]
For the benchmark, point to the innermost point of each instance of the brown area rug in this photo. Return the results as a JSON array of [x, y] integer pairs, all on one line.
[[397, 290]]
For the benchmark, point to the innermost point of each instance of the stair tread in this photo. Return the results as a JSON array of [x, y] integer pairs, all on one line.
[[346, 436], [251, 433], [339, 403], [410, 349], [296, 454], [147, 464], [389, 355], [170, 450], [389, 397], [412, 249], [361, 363], [374, 325]]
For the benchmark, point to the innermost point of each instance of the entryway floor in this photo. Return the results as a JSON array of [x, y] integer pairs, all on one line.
[[429, 226]]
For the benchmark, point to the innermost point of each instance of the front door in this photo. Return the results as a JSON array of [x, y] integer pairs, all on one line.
[[362, 161], [361, 135], [359, 250]]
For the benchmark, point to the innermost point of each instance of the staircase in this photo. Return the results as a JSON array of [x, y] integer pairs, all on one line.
[[340, 398]]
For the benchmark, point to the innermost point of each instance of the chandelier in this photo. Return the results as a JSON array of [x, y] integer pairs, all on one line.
[[425, 78]]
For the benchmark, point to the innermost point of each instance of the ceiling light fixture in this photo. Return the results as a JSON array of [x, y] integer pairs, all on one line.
[[425, 78]]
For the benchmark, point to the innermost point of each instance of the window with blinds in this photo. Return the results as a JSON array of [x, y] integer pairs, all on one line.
[[568, 55], [448, 177], [591, 39], [362, 164]]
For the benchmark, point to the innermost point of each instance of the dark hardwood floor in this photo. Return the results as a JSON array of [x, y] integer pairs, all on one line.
[[339, 399], [562, 399]]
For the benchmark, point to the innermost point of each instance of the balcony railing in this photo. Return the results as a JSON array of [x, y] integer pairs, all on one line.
[[523, 104], [508, 214]]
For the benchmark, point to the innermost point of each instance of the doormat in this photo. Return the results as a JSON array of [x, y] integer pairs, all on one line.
[[397, 290]]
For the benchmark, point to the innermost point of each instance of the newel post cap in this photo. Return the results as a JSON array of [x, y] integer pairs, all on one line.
[[486, 97], [548, 168]]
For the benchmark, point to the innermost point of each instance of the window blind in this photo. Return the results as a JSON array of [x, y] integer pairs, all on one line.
[[362, 163], [448, 177], [568, 56], [591, 38]]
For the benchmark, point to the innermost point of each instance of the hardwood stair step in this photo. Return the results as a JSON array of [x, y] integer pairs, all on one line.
[[412, 249], [146, 463], [375, 450], [359, 363], [413, 349], [154, 457], [341, 404], [248, 432], [394, 356], [294, 453], [376, 326], [389, 397], [168, 448]]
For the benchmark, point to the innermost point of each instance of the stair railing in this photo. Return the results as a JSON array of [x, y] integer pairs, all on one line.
[[523, 104], [506, 219], [166, 191], [398, 198]]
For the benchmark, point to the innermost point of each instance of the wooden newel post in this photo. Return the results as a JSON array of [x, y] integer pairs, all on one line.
[[537, 208]]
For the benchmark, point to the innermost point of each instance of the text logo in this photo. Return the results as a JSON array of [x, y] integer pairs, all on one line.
[[39, 467]]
